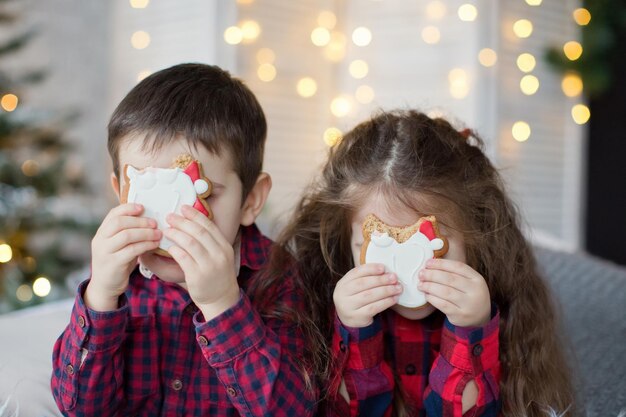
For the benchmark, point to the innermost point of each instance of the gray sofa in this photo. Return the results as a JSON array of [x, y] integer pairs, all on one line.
[[592, 294]]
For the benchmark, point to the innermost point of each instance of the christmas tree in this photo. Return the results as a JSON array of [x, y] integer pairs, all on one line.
[[41, 235]]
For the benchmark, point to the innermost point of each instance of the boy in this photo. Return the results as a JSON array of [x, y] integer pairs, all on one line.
[[184, 338]]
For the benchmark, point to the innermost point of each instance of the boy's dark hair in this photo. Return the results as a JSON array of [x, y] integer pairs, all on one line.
[[201, 103]]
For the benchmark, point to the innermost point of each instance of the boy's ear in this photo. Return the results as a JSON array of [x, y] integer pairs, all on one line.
[[256, 199], [115, 184]]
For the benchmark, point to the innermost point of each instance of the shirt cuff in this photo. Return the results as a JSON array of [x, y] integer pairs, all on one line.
[[363, 346], [230, 334], [97, 330], [472, 349]]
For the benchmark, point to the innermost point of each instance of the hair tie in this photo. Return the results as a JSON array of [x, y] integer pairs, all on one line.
[[466, 133]]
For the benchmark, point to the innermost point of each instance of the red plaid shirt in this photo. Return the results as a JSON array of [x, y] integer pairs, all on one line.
[[433, 358], [155, 356]]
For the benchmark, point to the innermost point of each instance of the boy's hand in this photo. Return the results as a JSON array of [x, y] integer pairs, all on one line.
[[457, 290], [207, 260], [364, 292], [120, 239]]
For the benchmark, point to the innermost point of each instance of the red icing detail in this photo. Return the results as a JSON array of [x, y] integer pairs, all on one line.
[[193, 171], [427, 229], [200, 207]]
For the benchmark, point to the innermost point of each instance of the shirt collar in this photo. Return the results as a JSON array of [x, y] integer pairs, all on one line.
[[254, 247]]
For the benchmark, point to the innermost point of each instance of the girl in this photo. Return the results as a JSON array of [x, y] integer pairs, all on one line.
[[486, 343]]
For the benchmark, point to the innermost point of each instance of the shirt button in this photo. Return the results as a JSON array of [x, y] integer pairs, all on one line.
[[81, 321], [342, 346], [177, 384], [231, 391], [410, 369], [203, 341], [69, 369], [477, 350]]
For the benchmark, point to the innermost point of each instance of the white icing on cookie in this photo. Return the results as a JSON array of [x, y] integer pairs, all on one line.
[[161, 191], [405, 260]]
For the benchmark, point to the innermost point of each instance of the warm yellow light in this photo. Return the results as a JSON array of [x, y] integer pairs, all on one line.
[[332, 136], [358, 69], [265, 56], [580, 114], [431, 35], [336, 48], [573, 50], [529, 84], [140, 39], [245, 1], [30, 168], [341, 106], [139, 4], [523, 28], [250, 30], [521, 131], [435, 10], [572, 85], [42, 286], [6, 253], [361, 36], [306, 87], [582, 16], [487, 57], [327, 19], [364, 94], [9, 102], [143, 74], [233, 35], [459, 83], [467, 12], [320, 36], [534, 2], [266, 72], [526, 62], [24, 293]]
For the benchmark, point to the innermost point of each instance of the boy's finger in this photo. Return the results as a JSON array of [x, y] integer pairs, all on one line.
[[129, 236], [117, 224], [192, 246], [189, 227], [133, 250], [195, 216], [184, 259], [360, 284]]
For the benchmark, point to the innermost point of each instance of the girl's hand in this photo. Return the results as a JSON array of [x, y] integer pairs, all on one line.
[[207, 260], [457, 290], [364, 292], [120, 239]]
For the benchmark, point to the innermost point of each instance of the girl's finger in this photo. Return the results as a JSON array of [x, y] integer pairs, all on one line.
[[365, 270], [442, 305], [449, 294], [455, 267], [370, 310], [129, 236], [375, 294], [361, 284], [445, 278]]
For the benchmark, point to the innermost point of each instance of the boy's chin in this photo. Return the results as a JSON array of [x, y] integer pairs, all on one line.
[[164, 267], [414, 313]]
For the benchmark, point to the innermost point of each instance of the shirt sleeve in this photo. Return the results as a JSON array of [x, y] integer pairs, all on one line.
[[466, 353], [87, 361], [258, 362], [359, 360]]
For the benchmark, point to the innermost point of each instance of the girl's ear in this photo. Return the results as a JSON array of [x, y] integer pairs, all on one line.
[[256, 199], [115, 184]]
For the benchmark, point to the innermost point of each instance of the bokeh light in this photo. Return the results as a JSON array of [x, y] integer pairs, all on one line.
[[265, 56], [6, 253], [533, 2], [233, 35], [436, 10], [431, 35], [140, 39], [521, 131], [42, 287], [487, 57], [467, 12], [580, 114], [332, 136], [143, 74], [266, 72], [523, 28], [306, 87], [364, 94], [24, 293], [250, 30], [327, 19], [358, 69], [9, 102], [458, 83], [572, 84], [320, 36], [582, 16], [336, 48], [529, 84], [526, 62], [341, 106], [30, 168], [573, 50], [361, 36], [139, 4]]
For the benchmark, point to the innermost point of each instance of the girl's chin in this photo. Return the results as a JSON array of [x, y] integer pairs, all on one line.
[[414, 313]]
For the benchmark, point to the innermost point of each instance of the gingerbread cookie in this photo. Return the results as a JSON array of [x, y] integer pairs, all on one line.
[[404, 251], [165, 190]]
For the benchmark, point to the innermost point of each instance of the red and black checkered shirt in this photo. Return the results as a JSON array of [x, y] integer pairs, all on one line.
[[155, 356], [433, 359]]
